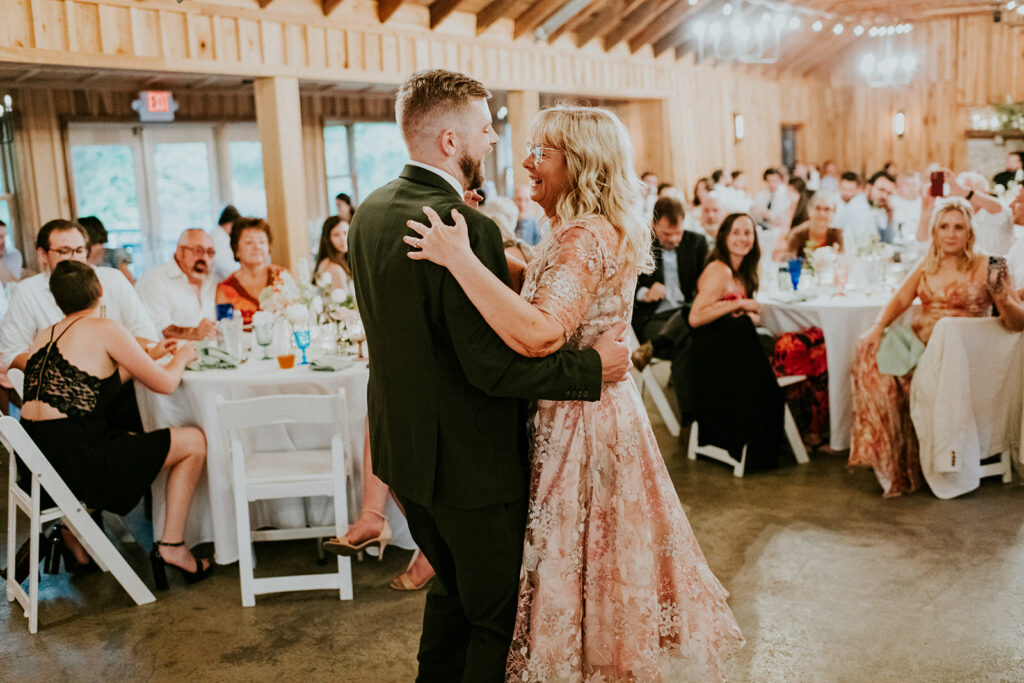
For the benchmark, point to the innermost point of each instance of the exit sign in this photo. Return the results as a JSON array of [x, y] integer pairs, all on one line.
[[155, 105]]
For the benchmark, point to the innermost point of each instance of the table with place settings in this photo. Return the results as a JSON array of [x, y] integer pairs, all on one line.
[[194, 404], [843, 320]]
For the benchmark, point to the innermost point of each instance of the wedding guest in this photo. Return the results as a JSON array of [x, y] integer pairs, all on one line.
[[951, 281], [1017, 208], [817, 230], [505, 215], [224, 262], [906, 205], [180, 294], [11, 261], [829, 177], [738, 398], [890, 168], [860, 226], [527, 228], [250, 243], [33, 308], [74, 373], [343, 203], [650, 190], [853, 206], [332, 255], [993, 222], [799, 196], [701, 191], [772, 206], [712, 213], [720, 179], [739, 181], [99, 255], [1014, 171]]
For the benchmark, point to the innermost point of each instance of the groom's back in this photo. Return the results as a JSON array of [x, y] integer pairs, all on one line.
[[435, 437]]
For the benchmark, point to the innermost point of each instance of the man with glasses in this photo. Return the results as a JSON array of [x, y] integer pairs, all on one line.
[[180, 295], [33, 307]]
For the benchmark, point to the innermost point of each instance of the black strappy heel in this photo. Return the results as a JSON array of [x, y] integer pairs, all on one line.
[[160, 567]]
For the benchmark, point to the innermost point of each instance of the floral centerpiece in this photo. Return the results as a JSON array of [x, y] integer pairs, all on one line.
[[304, 300]]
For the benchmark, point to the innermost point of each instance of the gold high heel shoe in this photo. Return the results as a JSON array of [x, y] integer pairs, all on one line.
[[342, 546]]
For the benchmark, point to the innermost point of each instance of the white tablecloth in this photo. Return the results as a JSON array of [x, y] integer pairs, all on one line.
[[966, 401], [843, 320], [193, 403]]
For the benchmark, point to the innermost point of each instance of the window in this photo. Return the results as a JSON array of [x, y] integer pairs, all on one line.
[[360, 157]]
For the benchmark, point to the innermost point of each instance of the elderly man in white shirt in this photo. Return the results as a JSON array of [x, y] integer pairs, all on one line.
[[33, 308], [180, 295]]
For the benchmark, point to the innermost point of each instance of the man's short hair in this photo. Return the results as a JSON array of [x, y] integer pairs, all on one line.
[[670, 209], [94, 226], [57, 225], [228, 215], [879, 175], [770, 171], [431, 93], [75, 286], [850, 176], [736, 174], [2, 224], [716, 175]]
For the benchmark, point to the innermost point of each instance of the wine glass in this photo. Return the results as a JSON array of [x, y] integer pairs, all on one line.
[[264, 337], [795, 266], [840, 276], [302, 341], [358, 335]]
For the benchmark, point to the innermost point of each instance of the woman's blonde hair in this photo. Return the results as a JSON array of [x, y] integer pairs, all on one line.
[[968, 259], [602, 178]]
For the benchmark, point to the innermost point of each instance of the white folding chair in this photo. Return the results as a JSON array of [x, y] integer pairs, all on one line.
[[714, 452], [17, 378], [268, 475], [45, 478], [647, 380]]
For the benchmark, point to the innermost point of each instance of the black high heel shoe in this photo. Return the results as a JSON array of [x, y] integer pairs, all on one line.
[[160, 567], [57, 549]]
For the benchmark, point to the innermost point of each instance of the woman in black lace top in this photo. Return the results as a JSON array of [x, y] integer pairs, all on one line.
[[75, 369]]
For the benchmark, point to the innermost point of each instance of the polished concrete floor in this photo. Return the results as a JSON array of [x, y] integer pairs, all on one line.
[[829, 583]]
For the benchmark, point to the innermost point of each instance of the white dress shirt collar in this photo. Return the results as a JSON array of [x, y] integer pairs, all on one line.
[[444, 174]]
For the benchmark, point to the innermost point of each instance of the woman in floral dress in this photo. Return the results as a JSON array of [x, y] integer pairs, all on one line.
[[614, 586]]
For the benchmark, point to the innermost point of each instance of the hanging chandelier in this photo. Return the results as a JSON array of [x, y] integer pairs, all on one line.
[[890, 69]]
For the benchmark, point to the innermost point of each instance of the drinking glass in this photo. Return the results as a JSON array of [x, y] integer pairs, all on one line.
[[264, 337], [302, 341], [840, 276], [795, 266]]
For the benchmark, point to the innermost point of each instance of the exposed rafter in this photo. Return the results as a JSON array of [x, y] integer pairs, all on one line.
[[533, 17], [576, 21], [385, 8], [329, 6], [440, 9], [670, 19], [634, 22], [605, 20]]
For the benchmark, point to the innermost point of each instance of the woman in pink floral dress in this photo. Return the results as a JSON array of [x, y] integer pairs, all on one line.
[[951, 281], [614, 586]]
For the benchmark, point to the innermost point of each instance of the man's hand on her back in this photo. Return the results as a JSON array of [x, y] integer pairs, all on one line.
[[615, 363]]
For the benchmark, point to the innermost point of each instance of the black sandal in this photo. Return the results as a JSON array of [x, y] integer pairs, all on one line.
[[160, 566]]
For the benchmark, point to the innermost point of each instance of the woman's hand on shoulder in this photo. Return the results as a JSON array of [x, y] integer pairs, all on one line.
[[445, 245]]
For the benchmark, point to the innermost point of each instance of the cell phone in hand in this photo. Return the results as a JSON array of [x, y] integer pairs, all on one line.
[[938, 182], [996, 267]]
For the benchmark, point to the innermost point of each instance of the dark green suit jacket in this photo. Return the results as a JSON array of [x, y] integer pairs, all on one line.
[[447, 424]]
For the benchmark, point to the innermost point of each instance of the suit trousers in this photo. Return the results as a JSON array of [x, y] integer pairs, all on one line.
[[471, 607]]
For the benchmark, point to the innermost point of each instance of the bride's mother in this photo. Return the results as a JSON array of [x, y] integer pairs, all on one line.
[[250, 243]]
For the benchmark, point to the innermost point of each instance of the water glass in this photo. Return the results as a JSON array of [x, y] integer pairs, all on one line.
[[795, 266], [264, 337], [302, 341]]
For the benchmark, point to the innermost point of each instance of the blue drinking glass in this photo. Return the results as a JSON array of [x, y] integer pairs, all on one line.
[[795, 266], [302, 341]]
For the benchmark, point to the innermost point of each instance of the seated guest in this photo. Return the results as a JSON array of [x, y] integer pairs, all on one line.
[[816, 231], [860, 227], [738, 400], [345, 206], [179, 295], [1014, 171], [527, 228], [701, 191], [505, 214], [829, 177], [906, 205], [772, 206], [712, 213], [74, 372], [799, 196], [99, 255], [250, 243], [951, 281], [993, 222], [11, 261], [33, 308], [224, 263], [332, 255], [668, 290]]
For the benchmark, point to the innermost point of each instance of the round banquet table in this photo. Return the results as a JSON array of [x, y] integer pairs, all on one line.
[[843, 319], [193, 404]]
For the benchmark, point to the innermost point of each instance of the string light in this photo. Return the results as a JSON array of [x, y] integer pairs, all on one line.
[[837, 29], [816, 26]]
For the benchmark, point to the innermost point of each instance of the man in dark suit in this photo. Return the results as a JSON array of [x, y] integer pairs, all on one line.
[[665, 295], [447, 426]]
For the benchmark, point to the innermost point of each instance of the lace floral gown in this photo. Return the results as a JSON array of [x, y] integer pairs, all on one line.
[[883, 436], [614, 586]]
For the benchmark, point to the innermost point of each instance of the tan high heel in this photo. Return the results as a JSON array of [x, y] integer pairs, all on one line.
[[342, 546], [404, 582]]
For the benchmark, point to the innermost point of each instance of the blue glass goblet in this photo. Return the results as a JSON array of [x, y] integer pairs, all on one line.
[[302, 341], [795, 266]]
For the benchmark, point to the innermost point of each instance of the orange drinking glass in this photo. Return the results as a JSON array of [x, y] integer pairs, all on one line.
[[286, 361]]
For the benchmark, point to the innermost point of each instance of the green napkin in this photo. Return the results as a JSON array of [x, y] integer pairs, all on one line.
[[213, 358], [899, 350], [330, 363]]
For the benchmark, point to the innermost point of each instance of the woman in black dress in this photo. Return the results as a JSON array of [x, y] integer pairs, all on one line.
[[738, 400], [75, 369]]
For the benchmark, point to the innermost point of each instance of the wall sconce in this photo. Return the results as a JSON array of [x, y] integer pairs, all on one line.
[[6, 120], [738, 126], [899, 124]]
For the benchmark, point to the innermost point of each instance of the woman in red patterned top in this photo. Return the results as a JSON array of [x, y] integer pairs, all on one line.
[[250, 243]]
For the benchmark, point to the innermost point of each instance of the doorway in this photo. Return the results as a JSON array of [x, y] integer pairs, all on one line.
[[789, 145], [149, 182]]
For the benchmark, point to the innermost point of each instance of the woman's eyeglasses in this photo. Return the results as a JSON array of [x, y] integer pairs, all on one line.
[[537, 152]]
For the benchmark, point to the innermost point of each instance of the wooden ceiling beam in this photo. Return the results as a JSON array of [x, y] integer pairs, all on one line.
[[534, 16], [605, 20], [385, 8], [580, 17], [263, 3], [674, 16], [634, 22], [440, 9], [329, 6], [496, 9]]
